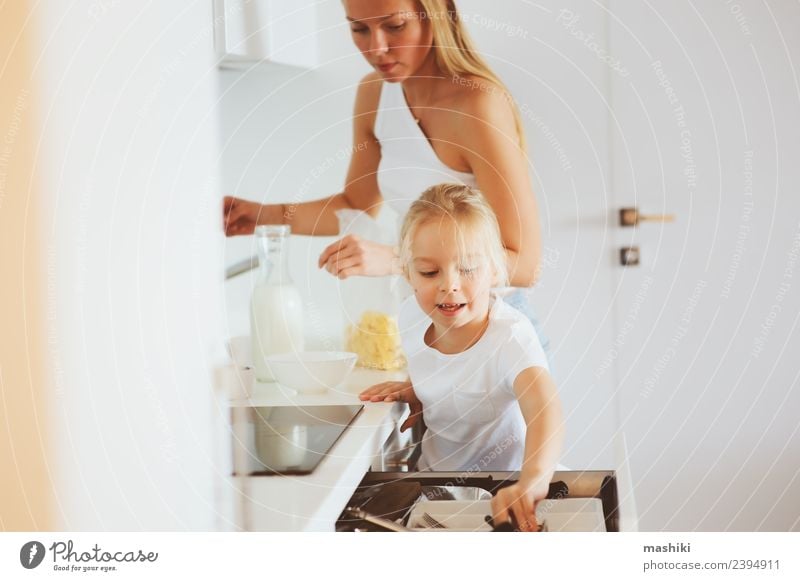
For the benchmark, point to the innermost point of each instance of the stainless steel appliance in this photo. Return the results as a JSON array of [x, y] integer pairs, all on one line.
[[290, 439]]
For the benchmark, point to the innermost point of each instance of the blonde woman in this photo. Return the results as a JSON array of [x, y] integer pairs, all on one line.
[[431, 112]]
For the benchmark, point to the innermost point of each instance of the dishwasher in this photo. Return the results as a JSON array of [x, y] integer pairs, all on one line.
[[401, 498]]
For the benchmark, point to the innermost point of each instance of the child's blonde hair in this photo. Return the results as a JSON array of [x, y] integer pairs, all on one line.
[[475, 219]]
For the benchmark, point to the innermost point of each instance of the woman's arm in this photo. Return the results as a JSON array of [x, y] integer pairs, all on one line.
[[240, 216], [491, 148], [352, 255], [538, 399], [318, 217]]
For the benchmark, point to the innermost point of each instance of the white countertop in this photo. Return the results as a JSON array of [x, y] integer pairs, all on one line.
[[314, 501]]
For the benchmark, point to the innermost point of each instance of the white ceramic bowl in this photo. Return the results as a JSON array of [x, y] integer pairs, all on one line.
[[311, 371]]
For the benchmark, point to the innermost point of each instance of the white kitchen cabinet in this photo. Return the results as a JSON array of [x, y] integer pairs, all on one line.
[[313, 502], [251, 32]]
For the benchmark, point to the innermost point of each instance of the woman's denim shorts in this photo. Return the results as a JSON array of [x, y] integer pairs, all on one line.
[[519, 300]]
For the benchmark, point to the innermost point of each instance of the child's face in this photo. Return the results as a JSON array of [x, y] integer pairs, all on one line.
[[452, 289]]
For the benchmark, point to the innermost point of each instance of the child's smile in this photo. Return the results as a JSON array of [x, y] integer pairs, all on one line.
[[450, 309]]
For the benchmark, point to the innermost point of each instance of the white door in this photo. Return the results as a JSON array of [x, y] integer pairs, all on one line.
[[688, 110], [706, 126]]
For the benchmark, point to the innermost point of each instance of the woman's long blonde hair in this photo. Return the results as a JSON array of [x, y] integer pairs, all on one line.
[[456, 54]]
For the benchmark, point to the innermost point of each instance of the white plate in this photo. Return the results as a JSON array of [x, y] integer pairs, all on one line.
[[572, 515], [563, 515], [456, 515]]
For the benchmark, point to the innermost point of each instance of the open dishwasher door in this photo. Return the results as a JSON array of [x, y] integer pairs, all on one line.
[[459, 501]]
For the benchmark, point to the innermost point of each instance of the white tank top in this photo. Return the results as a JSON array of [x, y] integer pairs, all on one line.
[[409, 165]]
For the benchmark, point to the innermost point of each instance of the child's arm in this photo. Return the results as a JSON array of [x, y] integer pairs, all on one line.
[[541, 408]]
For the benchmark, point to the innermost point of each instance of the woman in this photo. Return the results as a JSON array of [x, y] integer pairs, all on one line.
[[431, 112]]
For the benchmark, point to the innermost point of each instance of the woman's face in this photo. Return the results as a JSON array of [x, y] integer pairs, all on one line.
[[392, 35]]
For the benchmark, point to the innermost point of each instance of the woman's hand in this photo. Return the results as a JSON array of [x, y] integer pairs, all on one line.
[[396, 391], [242, 216], [517, 503], [352, 255]]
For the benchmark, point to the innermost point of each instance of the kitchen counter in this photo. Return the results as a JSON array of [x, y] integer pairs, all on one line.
[[313, 502]]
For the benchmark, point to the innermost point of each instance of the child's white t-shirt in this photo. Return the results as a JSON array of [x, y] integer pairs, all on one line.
[[474, 420]]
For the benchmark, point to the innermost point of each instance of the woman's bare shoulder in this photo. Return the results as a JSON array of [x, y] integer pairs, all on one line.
[[480, 100], [369, 93]]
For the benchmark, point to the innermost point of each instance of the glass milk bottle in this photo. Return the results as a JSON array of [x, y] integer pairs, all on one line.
[[276, 309]]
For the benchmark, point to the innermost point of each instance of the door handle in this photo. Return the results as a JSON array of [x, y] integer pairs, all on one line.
[[632, 217]]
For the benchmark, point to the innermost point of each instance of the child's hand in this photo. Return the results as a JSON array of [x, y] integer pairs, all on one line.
[[390, 391], [396, 391], [517, 503]]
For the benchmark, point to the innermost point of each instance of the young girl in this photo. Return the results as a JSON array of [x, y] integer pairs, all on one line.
[[477, 371]]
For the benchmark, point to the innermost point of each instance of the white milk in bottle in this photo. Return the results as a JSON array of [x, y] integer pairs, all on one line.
[[276, 308]]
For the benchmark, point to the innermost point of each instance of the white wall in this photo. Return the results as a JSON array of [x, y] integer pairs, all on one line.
[[133, 259], [709, 374], [286, 134]]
